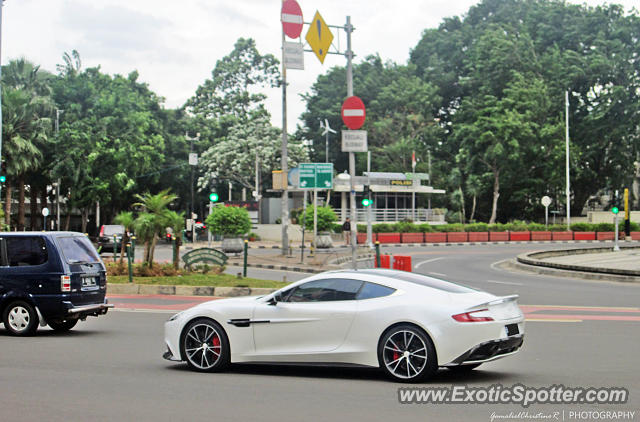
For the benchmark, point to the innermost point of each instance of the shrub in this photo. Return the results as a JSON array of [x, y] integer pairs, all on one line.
[[229, 221], [382, 228], [517, 226], [337, 228], [425, 228], [362, 228], [326, 218], [477, 227], [606, 227], [635, 227], [558, 227], [404, 227], [536, 227], [582, 227], [456, 227], [498, 227]]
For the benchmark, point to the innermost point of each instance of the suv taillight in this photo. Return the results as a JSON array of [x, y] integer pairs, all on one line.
[[65, 283], [101, 231]]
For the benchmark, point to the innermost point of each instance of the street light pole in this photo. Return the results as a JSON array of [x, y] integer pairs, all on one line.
[[1, 4], [352, 158], [284, 215], [58, 113], [568, 193]]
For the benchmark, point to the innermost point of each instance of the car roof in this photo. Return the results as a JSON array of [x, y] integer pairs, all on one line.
[[401, 279], [40, 233]]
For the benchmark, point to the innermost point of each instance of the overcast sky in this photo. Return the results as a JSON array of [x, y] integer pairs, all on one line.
[[174, 45]]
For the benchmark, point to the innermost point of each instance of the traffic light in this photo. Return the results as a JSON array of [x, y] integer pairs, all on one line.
[[616, 204], [3, 178], [213, 197], [366, 201]]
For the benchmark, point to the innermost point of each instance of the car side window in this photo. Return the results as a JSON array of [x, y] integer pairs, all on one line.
[[25, 251], [373, 290], [326, 290]]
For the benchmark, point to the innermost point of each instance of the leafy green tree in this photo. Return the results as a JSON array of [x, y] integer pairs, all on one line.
[[229, 221]]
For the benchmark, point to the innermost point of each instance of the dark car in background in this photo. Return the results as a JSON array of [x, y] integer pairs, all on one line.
[[110, 235], [49, 278]]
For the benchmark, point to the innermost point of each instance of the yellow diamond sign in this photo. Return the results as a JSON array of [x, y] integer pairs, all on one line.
[[319, 37]]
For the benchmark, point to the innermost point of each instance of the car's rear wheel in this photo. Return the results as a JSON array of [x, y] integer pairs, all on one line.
[[63, 324], [20, 319], [406, 354], [205, 346]]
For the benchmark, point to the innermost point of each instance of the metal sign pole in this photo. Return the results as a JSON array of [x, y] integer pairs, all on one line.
[[616, 247], [369, 228], [315, 218], [352, 158], [284, 216]]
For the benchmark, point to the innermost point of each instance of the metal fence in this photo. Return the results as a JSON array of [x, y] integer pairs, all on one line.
[[390, 215]]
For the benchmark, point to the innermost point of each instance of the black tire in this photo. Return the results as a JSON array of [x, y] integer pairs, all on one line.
[[204, 346], [20, 318], [463, 369], [63, 324], [406, 354]]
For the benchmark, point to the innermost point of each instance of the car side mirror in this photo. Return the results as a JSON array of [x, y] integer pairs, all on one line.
[[275, 299]]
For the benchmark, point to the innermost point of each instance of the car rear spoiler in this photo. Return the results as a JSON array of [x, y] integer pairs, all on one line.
[[503, 299]]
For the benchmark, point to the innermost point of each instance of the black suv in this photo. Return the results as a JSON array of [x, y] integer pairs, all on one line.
[[54, 278]]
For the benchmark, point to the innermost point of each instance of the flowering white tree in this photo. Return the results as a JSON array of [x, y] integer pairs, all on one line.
[[233, 157]]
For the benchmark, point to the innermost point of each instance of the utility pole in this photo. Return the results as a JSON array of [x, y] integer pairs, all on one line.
[[1, 4], [352, 157], [58, 113], [568, 193], [284, 216], [369, 228]]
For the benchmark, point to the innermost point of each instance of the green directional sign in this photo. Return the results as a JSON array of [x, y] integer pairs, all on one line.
[[316, 176]]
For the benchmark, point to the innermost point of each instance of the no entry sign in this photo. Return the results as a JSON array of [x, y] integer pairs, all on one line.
[[353, 113], [291, 18]]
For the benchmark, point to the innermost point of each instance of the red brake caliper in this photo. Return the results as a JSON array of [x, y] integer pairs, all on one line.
[[216, 341], [396, 355]]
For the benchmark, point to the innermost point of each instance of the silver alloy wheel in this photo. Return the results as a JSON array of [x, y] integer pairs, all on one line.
[[405, 354], [19, 318], [203, 346]]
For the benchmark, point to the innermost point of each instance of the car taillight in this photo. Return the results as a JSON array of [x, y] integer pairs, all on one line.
[[65, 283], [469, 317], [101, 231]]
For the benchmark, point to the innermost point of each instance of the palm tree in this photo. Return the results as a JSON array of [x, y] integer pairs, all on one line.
[[26, 104], [176, 222], [125, 219], [155, 219]]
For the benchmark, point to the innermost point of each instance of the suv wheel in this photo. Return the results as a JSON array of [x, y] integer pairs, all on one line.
[[63, 324], [20, 319]]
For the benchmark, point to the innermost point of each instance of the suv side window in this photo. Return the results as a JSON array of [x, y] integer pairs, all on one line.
[[325, 290], [23, 251]]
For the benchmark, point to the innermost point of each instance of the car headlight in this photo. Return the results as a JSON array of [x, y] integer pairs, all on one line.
[[173, 318]]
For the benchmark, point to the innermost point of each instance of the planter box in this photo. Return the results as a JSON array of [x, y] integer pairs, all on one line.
[[362, 238], [457, 237], [389, 237], [520, 236], [435, 237], [540, 235], [635, 235], [605, 235], [584, 235], [478, 236], [498, 236], [412, 237], [562, 235]]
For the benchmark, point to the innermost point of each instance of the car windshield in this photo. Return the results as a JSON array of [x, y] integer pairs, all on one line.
[[113, 229], [78, 249]]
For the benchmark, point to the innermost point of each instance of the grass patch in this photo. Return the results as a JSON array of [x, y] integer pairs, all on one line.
[[213, 280]]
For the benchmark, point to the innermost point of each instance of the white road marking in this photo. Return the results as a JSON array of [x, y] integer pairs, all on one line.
[[438, 274], [428, 260], [511, 283], [143, 310]]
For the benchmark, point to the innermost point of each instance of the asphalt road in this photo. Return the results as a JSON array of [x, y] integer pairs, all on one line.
[[579, 333]]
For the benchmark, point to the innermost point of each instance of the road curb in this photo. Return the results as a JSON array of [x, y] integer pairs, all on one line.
[[535, 259], [149, 289], [554, 272]]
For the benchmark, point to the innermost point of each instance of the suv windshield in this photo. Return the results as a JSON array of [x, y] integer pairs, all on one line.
[[78, 249]]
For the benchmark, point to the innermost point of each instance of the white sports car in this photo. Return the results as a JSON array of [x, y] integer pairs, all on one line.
[[405, 323]]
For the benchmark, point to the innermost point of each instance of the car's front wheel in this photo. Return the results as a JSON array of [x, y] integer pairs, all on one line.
[[63, 324], [406, 354], [20, 319], [205, 346]]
